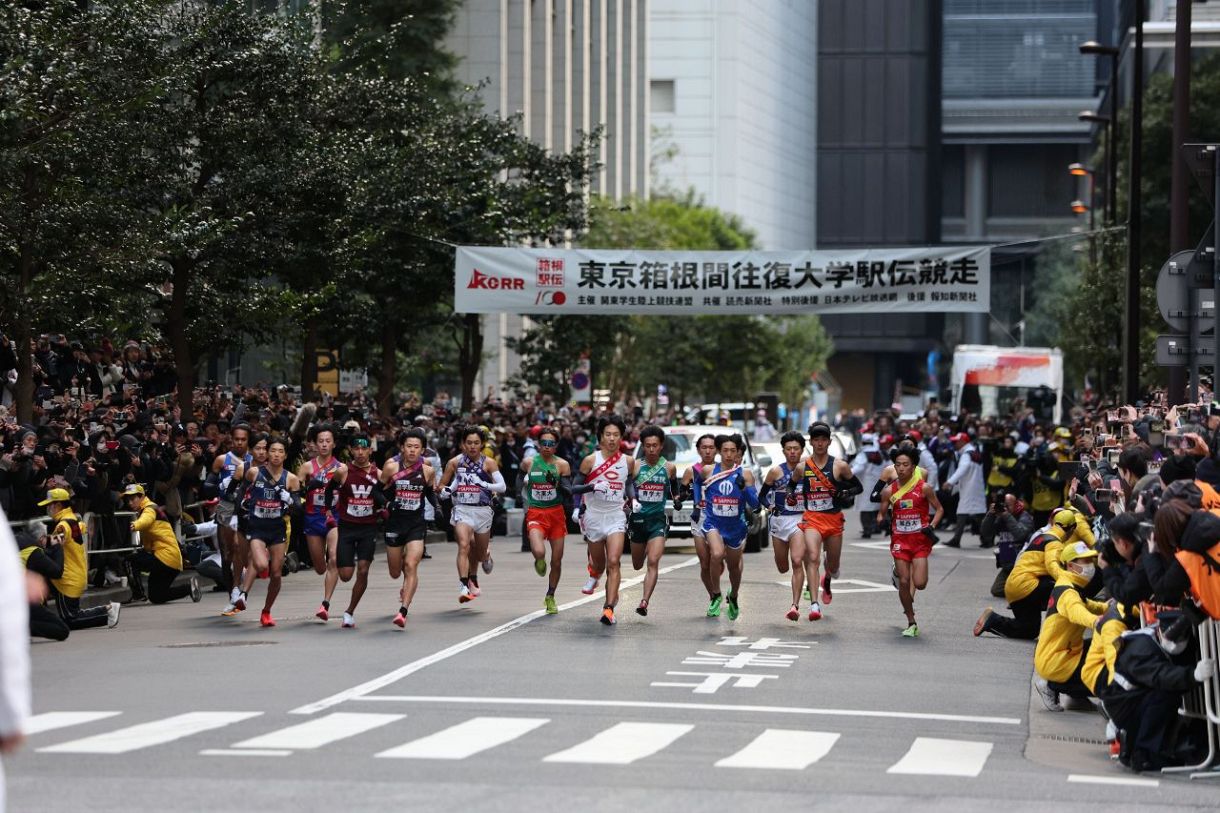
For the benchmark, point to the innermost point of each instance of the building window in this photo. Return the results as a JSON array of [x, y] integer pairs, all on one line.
[[662, 95]]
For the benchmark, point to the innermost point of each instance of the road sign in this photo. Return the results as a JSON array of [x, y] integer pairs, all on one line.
[[1175, 351], [1173, 291], [581, 381]]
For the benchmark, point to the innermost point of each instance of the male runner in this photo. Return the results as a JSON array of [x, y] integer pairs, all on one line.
[[240, 523], [407, 482], [910, 530], [655, 482], [728, 492], [787, 538], [358, 486], [321, 537], [692, 488], [271, 494], [232, 558], [828, 486], [607, 476], [470, 480], [541, 481]]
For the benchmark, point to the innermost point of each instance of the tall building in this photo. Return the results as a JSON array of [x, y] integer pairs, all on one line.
[[734, 99], [566, 67]]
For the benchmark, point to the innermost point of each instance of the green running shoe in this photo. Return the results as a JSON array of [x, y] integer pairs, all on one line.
[[807, 595], [734, 610], [911, 631], [713, 609], [540, 567], [551, 609]]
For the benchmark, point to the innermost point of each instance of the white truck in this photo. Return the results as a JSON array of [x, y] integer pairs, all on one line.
[[987, 378]]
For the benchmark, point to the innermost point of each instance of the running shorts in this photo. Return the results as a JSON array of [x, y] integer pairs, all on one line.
[[910, 546], [783, 526], [827, 525], [403, 528], [734, 537], [315, 524], [477, 517], [224, 512], [597, 525], [356, 542], [644, 527], [550, 520], [272, 532]]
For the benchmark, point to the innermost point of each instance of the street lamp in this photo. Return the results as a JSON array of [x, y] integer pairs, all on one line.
[[1094, 48], [1078, 170]]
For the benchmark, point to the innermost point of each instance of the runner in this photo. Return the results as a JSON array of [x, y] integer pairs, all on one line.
[[692, 488], [321, 537], [828, 486], [470, 480], [271, 493], [541, 481], [359, 497], [407, 481], [241, 515], [607, 476], [655, 482], [232, 555], [787, 539], [910, 530], [729, 495]]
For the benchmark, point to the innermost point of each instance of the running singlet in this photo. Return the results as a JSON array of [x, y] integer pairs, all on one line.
[[614, 472], [652, 487], [539, 493], [779, 493], [315, 498], [722, 497], [356, 504], [910, 510], [819, 494], [409, 485], [263, 497], [468, 482]]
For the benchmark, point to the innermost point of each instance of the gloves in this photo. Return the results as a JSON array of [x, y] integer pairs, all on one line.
[[576, 514], [602, 487], [678, 503], [1204, 669], [741, 481], [635, 506], [930, 534], [445, 493], [315, 484], [285, 497]]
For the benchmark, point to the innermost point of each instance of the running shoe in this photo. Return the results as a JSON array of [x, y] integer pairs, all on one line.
[[240, 604], [465, 595], [984, 622], [1049, 697], [196, 590], [608, 616], [713, 609], [488, 564], [349, 620], [265, 619], [807, 595], [734, 609], [400, 620], [233, 594], [540, 567], [643, 608], [475, 592], [549, 603], [323, 613], [230, 610], [1116, 748], [590, 586], [826, 594], [912, 631], [793, 614], [815, 612], [112, 614]]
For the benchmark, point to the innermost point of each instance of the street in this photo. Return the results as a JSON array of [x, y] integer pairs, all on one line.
[[495, 706]]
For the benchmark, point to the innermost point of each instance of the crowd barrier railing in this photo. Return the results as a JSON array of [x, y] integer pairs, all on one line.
[[1203, 703], [93, 533]]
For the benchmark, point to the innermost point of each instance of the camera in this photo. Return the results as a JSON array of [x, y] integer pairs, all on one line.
[[1109, 551]]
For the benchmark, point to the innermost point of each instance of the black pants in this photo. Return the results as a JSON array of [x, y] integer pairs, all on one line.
[[46, 624], [1074, 686], [76, 618], [868, 523], [959, 526], [161, 587], [1149, 726], [210, 570], [1026, 620]]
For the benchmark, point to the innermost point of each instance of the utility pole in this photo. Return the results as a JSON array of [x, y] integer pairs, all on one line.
[[1179, 197], [1131, 335]]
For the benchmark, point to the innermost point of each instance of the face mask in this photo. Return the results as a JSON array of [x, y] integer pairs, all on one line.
[[1087, 572]]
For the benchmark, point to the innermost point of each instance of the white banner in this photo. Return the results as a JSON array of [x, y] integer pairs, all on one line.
[[555, 281]]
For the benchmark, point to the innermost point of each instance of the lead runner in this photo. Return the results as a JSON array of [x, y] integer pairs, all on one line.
[[911, 530], [828, 484]]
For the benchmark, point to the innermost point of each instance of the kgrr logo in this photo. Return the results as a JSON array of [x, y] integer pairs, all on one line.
[[550, 298], [487, 282]]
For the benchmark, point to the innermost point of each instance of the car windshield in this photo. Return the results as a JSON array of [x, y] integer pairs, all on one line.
[[677, 449]]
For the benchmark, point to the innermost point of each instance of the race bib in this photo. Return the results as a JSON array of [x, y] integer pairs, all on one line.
[[908, 525], [267, 509], [319, 499], [409, 500], [615, 494], [468, 495], [651, 492], [360, 509], [725, 507], [542, 492], [821, 504]]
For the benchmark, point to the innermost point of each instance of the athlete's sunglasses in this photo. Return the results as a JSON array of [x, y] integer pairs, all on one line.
[[547, 443]]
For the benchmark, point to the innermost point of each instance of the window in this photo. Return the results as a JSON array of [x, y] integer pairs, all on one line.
[[662, 96]]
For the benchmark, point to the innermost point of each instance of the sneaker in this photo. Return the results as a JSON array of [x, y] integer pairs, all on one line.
[[549, 603], [953, 543], [734, 609], [815, 612], [643, 608], [590, 586], [475, 592], [112, 614], [323, 613], [713, 608], [807, 595], [488, 564], [464, 595], [1116, 748], [240, 604], [400, 620], [234, 594], [983, 623], [196, 590], [912, 631], [1050, 697], [608, 616], [793, 614], [540, 567], [230, 610], [827, 596], [591, 571], [349, 621], [265, 619]]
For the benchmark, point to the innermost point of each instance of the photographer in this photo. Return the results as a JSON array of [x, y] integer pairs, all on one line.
[[1007, 526], [1121, 561]]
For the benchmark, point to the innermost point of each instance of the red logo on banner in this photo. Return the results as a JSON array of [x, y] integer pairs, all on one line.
[[550, 273], [550, 298], [489, 283]]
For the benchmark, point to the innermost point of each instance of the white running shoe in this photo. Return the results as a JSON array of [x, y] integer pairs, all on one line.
[[112, 614], [1050, 697], [349, 621], [233, 594], [815, 612], [590, 586], [464, 594]]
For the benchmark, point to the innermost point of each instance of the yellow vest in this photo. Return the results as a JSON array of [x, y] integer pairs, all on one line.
[[76, 570], [1061, 641], [157, 535]]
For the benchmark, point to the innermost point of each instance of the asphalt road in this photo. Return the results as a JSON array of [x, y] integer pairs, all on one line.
[[495, 706]]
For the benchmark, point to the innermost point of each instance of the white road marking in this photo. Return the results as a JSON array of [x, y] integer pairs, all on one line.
[[622, 744], [466, 739], [717, 707], [368, 687], [51, 720], [146, 735], [1132, 781], [782, 749], [864, 586], [929, 756], [244, 752], [320, 732]]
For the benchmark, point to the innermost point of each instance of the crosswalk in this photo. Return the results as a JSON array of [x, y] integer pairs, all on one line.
[[621, 743]]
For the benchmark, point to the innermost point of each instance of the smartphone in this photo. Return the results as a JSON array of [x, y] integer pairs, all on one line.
[[1112, 455], [1112, 415], [1103, 494]]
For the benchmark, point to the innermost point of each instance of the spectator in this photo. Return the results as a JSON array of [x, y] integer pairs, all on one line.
[[66, 565], [44, 623], [1007, 526], [1060, 654], [161, 557], [967, 480]]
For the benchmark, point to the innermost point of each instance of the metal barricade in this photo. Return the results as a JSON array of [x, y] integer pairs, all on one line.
[[93, 534], [37, 527], [1203, 703]]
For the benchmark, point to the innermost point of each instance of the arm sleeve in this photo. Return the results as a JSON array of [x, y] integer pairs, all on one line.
[[14, 637], [629, 488], [875, 496], [579, 486], [565, 484], [497, 485], [850, 488], [765, 491], [675, 488]]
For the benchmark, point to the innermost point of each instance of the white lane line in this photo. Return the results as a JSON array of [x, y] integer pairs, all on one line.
[[934, 757], [401, 672], [146, 735], [646, 704], [1132, 781], [246, 752], [51, 720], [622, 744], [466, 739], [782, 749], [322, 731]]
